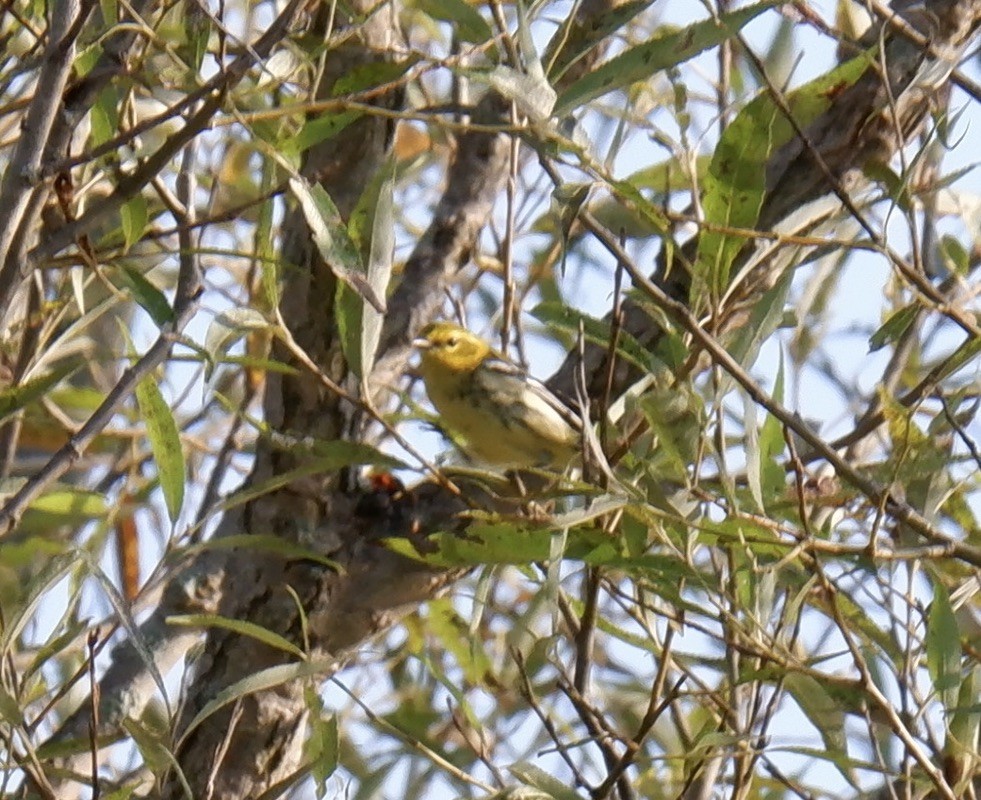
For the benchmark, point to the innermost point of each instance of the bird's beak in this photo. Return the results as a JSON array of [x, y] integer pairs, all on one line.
[[421, 344]]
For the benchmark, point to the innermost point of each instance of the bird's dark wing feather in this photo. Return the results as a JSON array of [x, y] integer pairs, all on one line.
[[506, 369]]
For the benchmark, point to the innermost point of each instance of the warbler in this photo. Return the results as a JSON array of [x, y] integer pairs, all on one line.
[[505, 417]]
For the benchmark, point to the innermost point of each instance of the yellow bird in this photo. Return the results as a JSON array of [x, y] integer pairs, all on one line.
[[504, 417]]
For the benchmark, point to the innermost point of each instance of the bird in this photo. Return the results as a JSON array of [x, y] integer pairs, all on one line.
[[502, 417]]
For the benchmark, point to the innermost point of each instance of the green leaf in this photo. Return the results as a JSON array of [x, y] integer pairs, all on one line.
[[226, 329], [380, 262], [496, 542], [339, 252], [955, 256], [319, 129], [110, 12], [373, 74], [240, 626], [772, 479], [197, 33], [332, 239], [751, 444], [469, 25], [894, 327], [124, 792], [69, 504], [562, 317], [63, 645], [668, 48], [14, 398], [765, 318], [134, 218], [153, 745], [50, 573], [669, 175], [348, 312], [502, 543], [960, 745], [10, 711], [451, 630], [149, 297], [257, 682], [578, 40], [823, 710], [734, 187], [860, 623], [165, 442], [539, 779], [650, 218], [104, 116], [77, 276], [265, 543], [322, 744], [943, 647], [264, 248], [372, 230], [124, 612]]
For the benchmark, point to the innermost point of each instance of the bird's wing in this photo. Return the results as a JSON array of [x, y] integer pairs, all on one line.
[[536, 395]]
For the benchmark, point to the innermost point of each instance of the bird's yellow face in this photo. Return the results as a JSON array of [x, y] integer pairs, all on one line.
[[450, 347]]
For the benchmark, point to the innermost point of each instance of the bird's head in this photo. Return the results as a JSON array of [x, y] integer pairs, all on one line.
[[450, 347]]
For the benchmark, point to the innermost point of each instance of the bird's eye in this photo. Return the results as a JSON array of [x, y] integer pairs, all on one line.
[[453, 341]]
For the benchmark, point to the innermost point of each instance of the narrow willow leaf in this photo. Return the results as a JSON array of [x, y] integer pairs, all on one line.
[[333, 241], [501, 543], [51, 573], [133, 214], [323, 748], [226, 329], [265, 249], [540, 779], [469, 25], [494, 542], [69, 504], [149, 297], [14, 398], [894, 327], [751, 443], [765, 317], [373, 74], [446, 624], [105, 116], [772, 476], [197, 32], [380, 262], [165, 442], [77, 275], [267, 543], [566, 319], [319, 129], [960, 746], [943, 646], [823, 710], [124, 612], [152, 746], [241, 626], [734, 187], [581, 39], [10, 711], [257, 682], [668, 48]]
